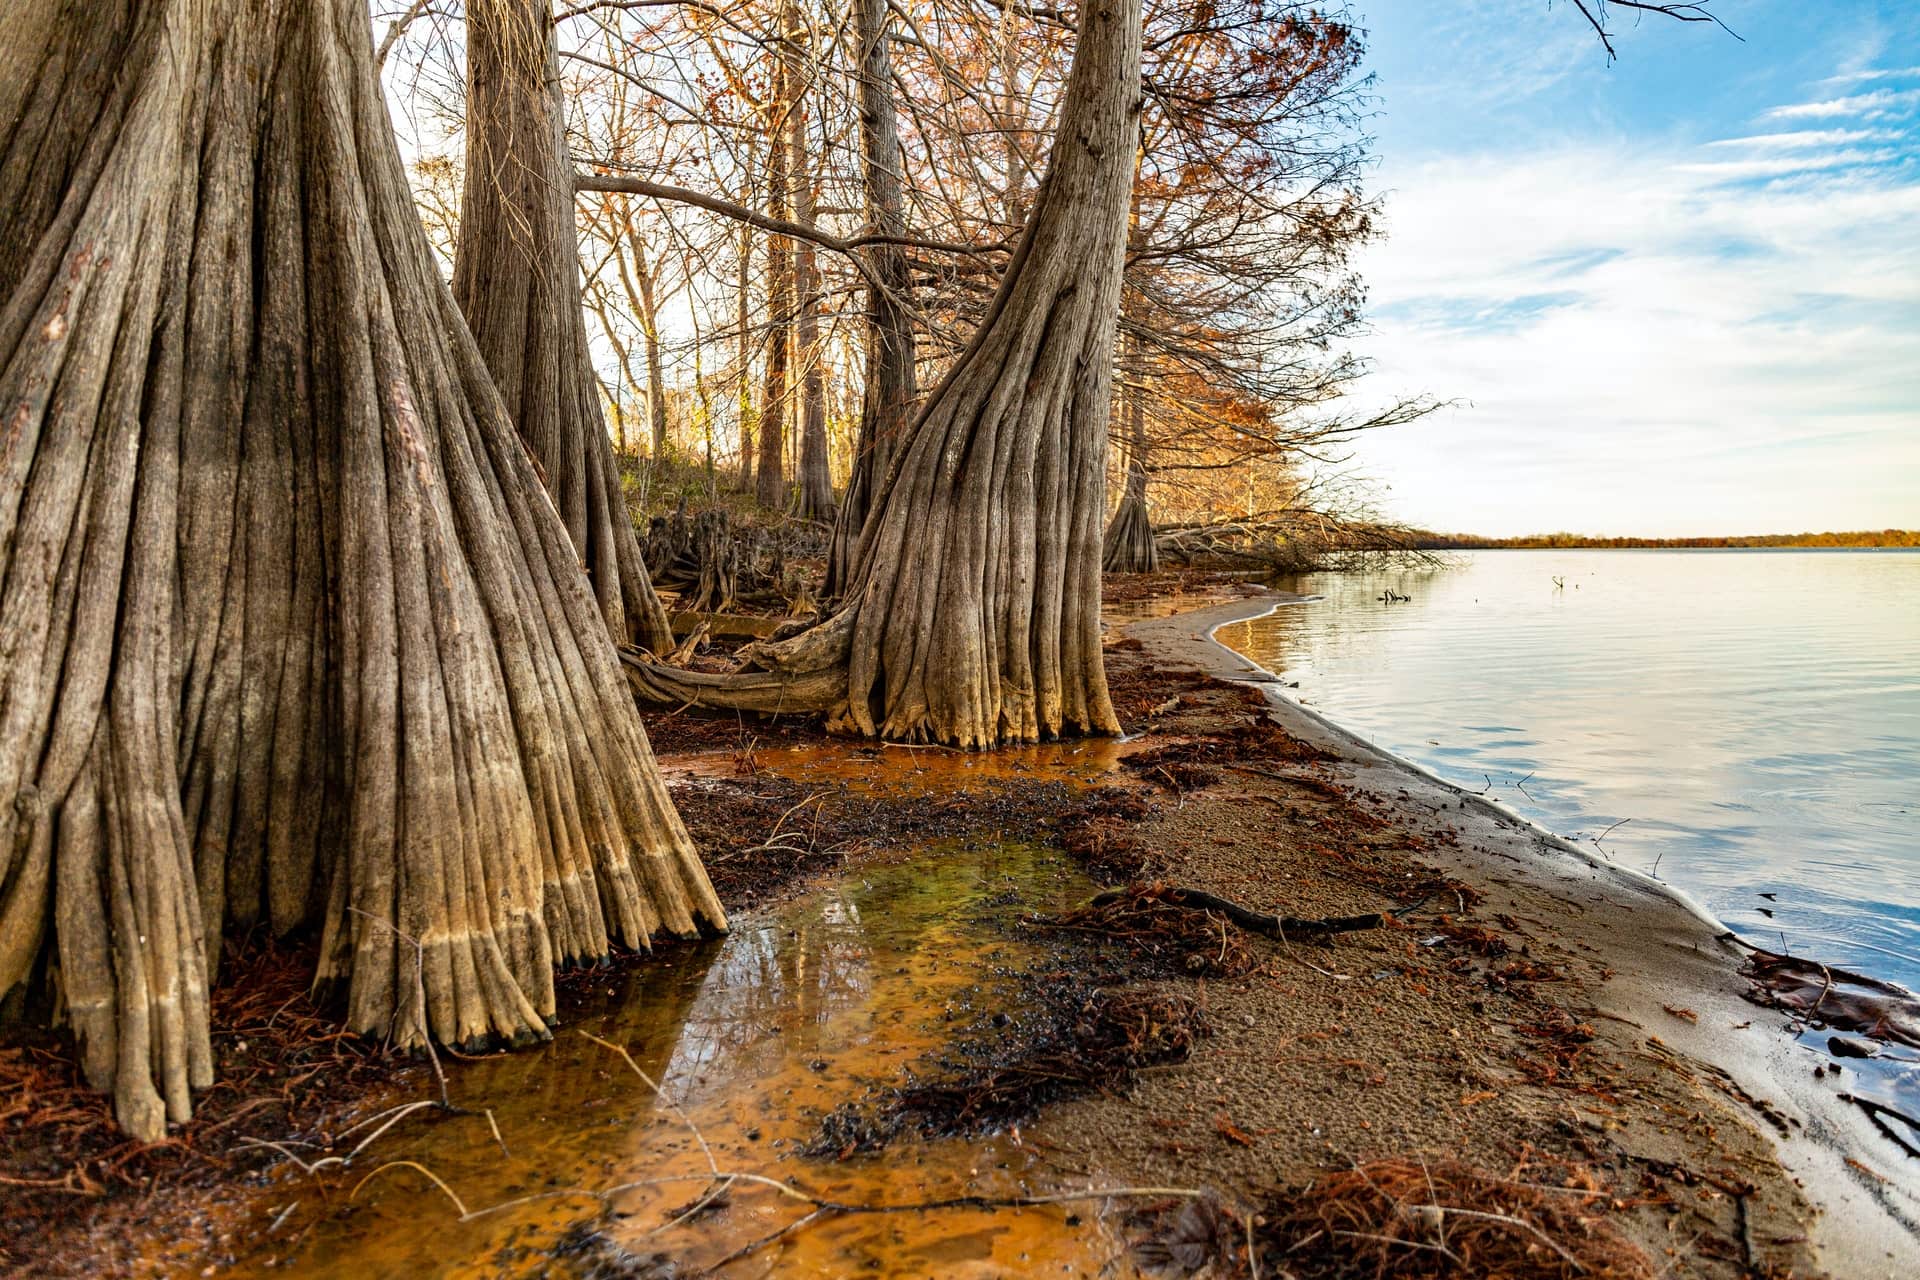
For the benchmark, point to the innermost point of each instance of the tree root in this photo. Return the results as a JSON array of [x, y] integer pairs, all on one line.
[[1269, 926], [1875, 1110]]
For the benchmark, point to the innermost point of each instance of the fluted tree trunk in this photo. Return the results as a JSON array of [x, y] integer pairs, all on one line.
[[973, 614], [516, 276], [289, 631], [887, 404]]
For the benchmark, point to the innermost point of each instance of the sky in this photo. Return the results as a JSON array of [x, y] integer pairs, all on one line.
[[1678, 294]]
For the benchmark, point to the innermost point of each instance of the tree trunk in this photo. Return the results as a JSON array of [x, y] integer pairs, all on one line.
[[649, 318], [1130, 547], [516, 276], [974, 613], [814, 495], [890, 389], [289, 631], [1010, 110], [743, 336], [771, 481]]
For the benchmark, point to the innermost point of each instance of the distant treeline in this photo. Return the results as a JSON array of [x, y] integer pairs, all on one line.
[[1425, 541]]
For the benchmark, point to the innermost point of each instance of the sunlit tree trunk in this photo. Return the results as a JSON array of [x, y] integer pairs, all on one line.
[[649, 318], [771, 479], [289, 630], [743, 338], [813, 496], [1130, 547], [890, 390]]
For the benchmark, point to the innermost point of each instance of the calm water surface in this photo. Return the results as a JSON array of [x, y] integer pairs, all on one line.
[[1750, 719]]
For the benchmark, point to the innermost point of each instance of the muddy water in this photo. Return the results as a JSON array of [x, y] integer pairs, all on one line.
[[753, 1037]]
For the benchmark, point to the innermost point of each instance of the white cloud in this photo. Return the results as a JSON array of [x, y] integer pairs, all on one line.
[[1700, 354], [1873, 73], [1778, 165], [1803, 138], [1880, 103]]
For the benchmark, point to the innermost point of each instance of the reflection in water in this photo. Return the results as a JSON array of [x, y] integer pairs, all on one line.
[[1752, 718], [755, 1036]]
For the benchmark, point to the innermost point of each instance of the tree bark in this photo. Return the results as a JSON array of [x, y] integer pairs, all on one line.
[[813, 497], [771, 481], [516, 276], [887, 405], [1130, 547], [649, 318], [289, 631], [973, 616], [743, 336]]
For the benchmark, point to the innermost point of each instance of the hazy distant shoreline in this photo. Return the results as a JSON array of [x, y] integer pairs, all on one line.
[[1860, 540]]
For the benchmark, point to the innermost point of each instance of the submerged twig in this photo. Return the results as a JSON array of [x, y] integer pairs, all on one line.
[[665, 1097], [412, 1164]]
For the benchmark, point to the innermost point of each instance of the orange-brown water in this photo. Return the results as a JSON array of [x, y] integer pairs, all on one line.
[[752, 1038]]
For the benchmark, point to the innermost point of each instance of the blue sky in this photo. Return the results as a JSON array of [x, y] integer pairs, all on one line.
[[1678, 294]]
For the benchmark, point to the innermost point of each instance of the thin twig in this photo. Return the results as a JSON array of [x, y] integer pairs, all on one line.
[[411, 1164], [420, 994]]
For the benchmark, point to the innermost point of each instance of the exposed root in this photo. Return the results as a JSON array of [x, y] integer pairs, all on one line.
[[1836, 998], [1271, 926], [1193, 932]]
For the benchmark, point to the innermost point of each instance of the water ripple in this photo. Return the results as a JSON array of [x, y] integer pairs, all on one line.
[[1756, 715]]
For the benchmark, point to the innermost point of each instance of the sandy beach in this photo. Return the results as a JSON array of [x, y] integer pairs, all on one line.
[[1711, 1077]]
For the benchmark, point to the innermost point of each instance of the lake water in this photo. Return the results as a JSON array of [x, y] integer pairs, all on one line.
[[1750, 720]]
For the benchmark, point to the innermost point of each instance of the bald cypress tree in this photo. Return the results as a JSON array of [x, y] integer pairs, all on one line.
[[971, 614], [516, 277], [289, 629]]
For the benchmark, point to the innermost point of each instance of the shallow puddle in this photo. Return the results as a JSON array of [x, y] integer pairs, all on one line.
[[753, 1037]]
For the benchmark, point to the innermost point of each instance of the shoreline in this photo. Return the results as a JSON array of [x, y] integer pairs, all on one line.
[[1275, 684], [1533, 1034], [1666, 944]]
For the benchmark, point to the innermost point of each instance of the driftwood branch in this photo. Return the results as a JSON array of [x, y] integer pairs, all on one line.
[[1270, 926]]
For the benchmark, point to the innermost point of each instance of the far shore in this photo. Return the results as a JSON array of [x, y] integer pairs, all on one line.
[[1870, 540]]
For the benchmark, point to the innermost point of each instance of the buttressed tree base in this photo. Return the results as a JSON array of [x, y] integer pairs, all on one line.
[[290, 631]]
